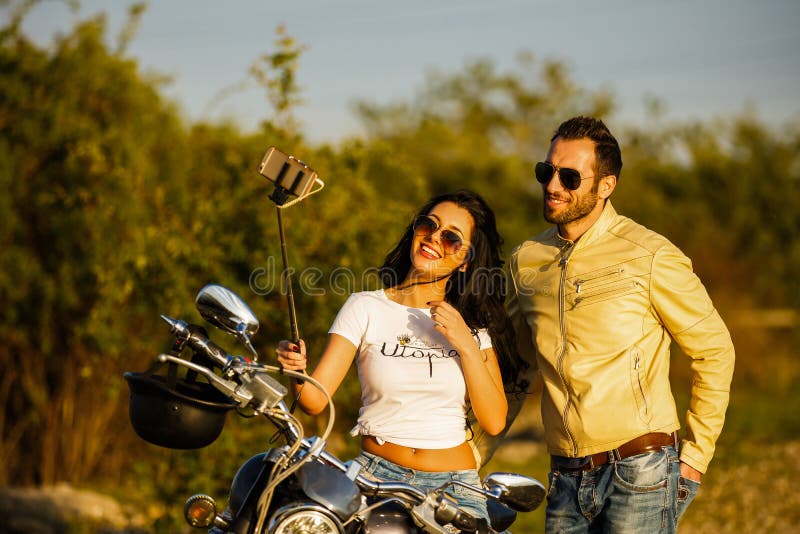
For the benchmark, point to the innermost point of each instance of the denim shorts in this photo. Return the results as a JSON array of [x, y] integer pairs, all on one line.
[[382, 469]]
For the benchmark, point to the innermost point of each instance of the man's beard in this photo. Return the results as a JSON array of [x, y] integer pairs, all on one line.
[[581, 207]]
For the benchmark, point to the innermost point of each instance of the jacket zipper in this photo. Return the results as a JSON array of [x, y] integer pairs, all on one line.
[[561, 312]]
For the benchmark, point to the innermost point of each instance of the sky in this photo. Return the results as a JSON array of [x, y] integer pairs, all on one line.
[[701, 58]]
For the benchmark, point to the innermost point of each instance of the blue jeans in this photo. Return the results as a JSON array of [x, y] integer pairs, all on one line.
[[468, 500], [640, 494]]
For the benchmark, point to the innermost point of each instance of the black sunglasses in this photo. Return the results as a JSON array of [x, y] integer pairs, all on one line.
[[570, 178], [425, 226]]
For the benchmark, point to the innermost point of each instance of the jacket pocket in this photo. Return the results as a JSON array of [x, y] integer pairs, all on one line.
[[596, 278], [601, 285], [639, 384], [607, 292]]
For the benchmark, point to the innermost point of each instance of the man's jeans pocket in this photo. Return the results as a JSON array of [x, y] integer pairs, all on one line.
[[687, 491], [643, 473]]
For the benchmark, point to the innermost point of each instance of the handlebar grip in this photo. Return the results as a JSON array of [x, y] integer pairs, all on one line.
[[198, 340]]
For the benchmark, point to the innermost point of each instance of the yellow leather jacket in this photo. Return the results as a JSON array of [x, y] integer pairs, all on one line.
[[596, 319]]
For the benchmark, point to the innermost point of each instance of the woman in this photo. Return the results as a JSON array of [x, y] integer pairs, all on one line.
[[430, 345]]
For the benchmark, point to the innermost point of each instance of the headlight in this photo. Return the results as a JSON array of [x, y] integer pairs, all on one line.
[[306, 519]]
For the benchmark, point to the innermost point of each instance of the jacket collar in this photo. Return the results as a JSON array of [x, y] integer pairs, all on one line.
[[596, 231]]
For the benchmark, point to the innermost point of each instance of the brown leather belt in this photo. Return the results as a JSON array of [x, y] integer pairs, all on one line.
[[647, 443]]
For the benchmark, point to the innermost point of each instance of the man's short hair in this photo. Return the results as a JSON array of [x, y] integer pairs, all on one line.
[[608, 157]]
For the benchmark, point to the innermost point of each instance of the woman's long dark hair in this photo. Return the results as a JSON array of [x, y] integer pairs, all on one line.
[[478, 292]]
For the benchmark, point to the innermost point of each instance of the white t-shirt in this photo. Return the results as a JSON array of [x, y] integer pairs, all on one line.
[[413, 391]]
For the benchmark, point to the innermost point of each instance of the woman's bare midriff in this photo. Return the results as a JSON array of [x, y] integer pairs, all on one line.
[[456, 458]]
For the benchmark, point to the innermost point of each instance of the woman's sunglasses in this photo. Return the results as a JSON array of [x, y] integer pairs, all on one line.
[[570, 178], [426, 226]]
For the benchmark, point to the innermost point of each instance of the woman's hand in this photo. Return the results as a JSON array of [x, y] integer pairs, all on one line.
[[329, 373], [291, 356], [481, 371], [451, 325]]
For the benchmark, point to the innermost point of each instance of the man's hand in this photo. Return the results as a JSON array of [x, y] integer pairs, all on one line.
[[687, 471]]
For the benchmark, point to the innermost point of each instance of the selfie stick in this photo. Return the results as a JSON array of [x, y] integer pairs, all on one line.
[[279, 196], [291, 177]]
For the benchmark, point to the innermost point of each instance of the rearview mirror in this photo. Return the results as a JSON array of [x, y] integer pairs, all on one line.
[[227, 311], [518, 492]]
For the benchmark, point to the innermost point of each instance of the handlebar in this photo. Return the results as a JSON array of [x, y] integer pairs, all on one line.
[[227, 387], [195, 336]]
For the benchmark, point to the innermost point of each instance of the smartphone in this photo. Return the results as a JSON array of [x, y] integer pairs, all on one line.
[[287, 172]]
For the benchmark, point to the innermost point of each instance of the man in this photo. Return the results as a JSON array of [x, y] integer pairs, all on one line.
[[596, 300]]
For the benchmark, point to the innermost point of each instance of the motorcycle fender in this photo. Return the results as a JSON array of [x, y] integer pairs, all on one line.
[[331, 488]]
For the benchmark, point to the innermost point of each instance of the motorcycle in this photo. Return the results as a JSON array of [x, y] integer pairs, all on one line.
[[298, 487]]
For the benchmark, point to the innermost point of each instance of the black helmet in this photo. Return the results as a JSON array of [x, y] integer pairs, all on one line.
[[176, 413]]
